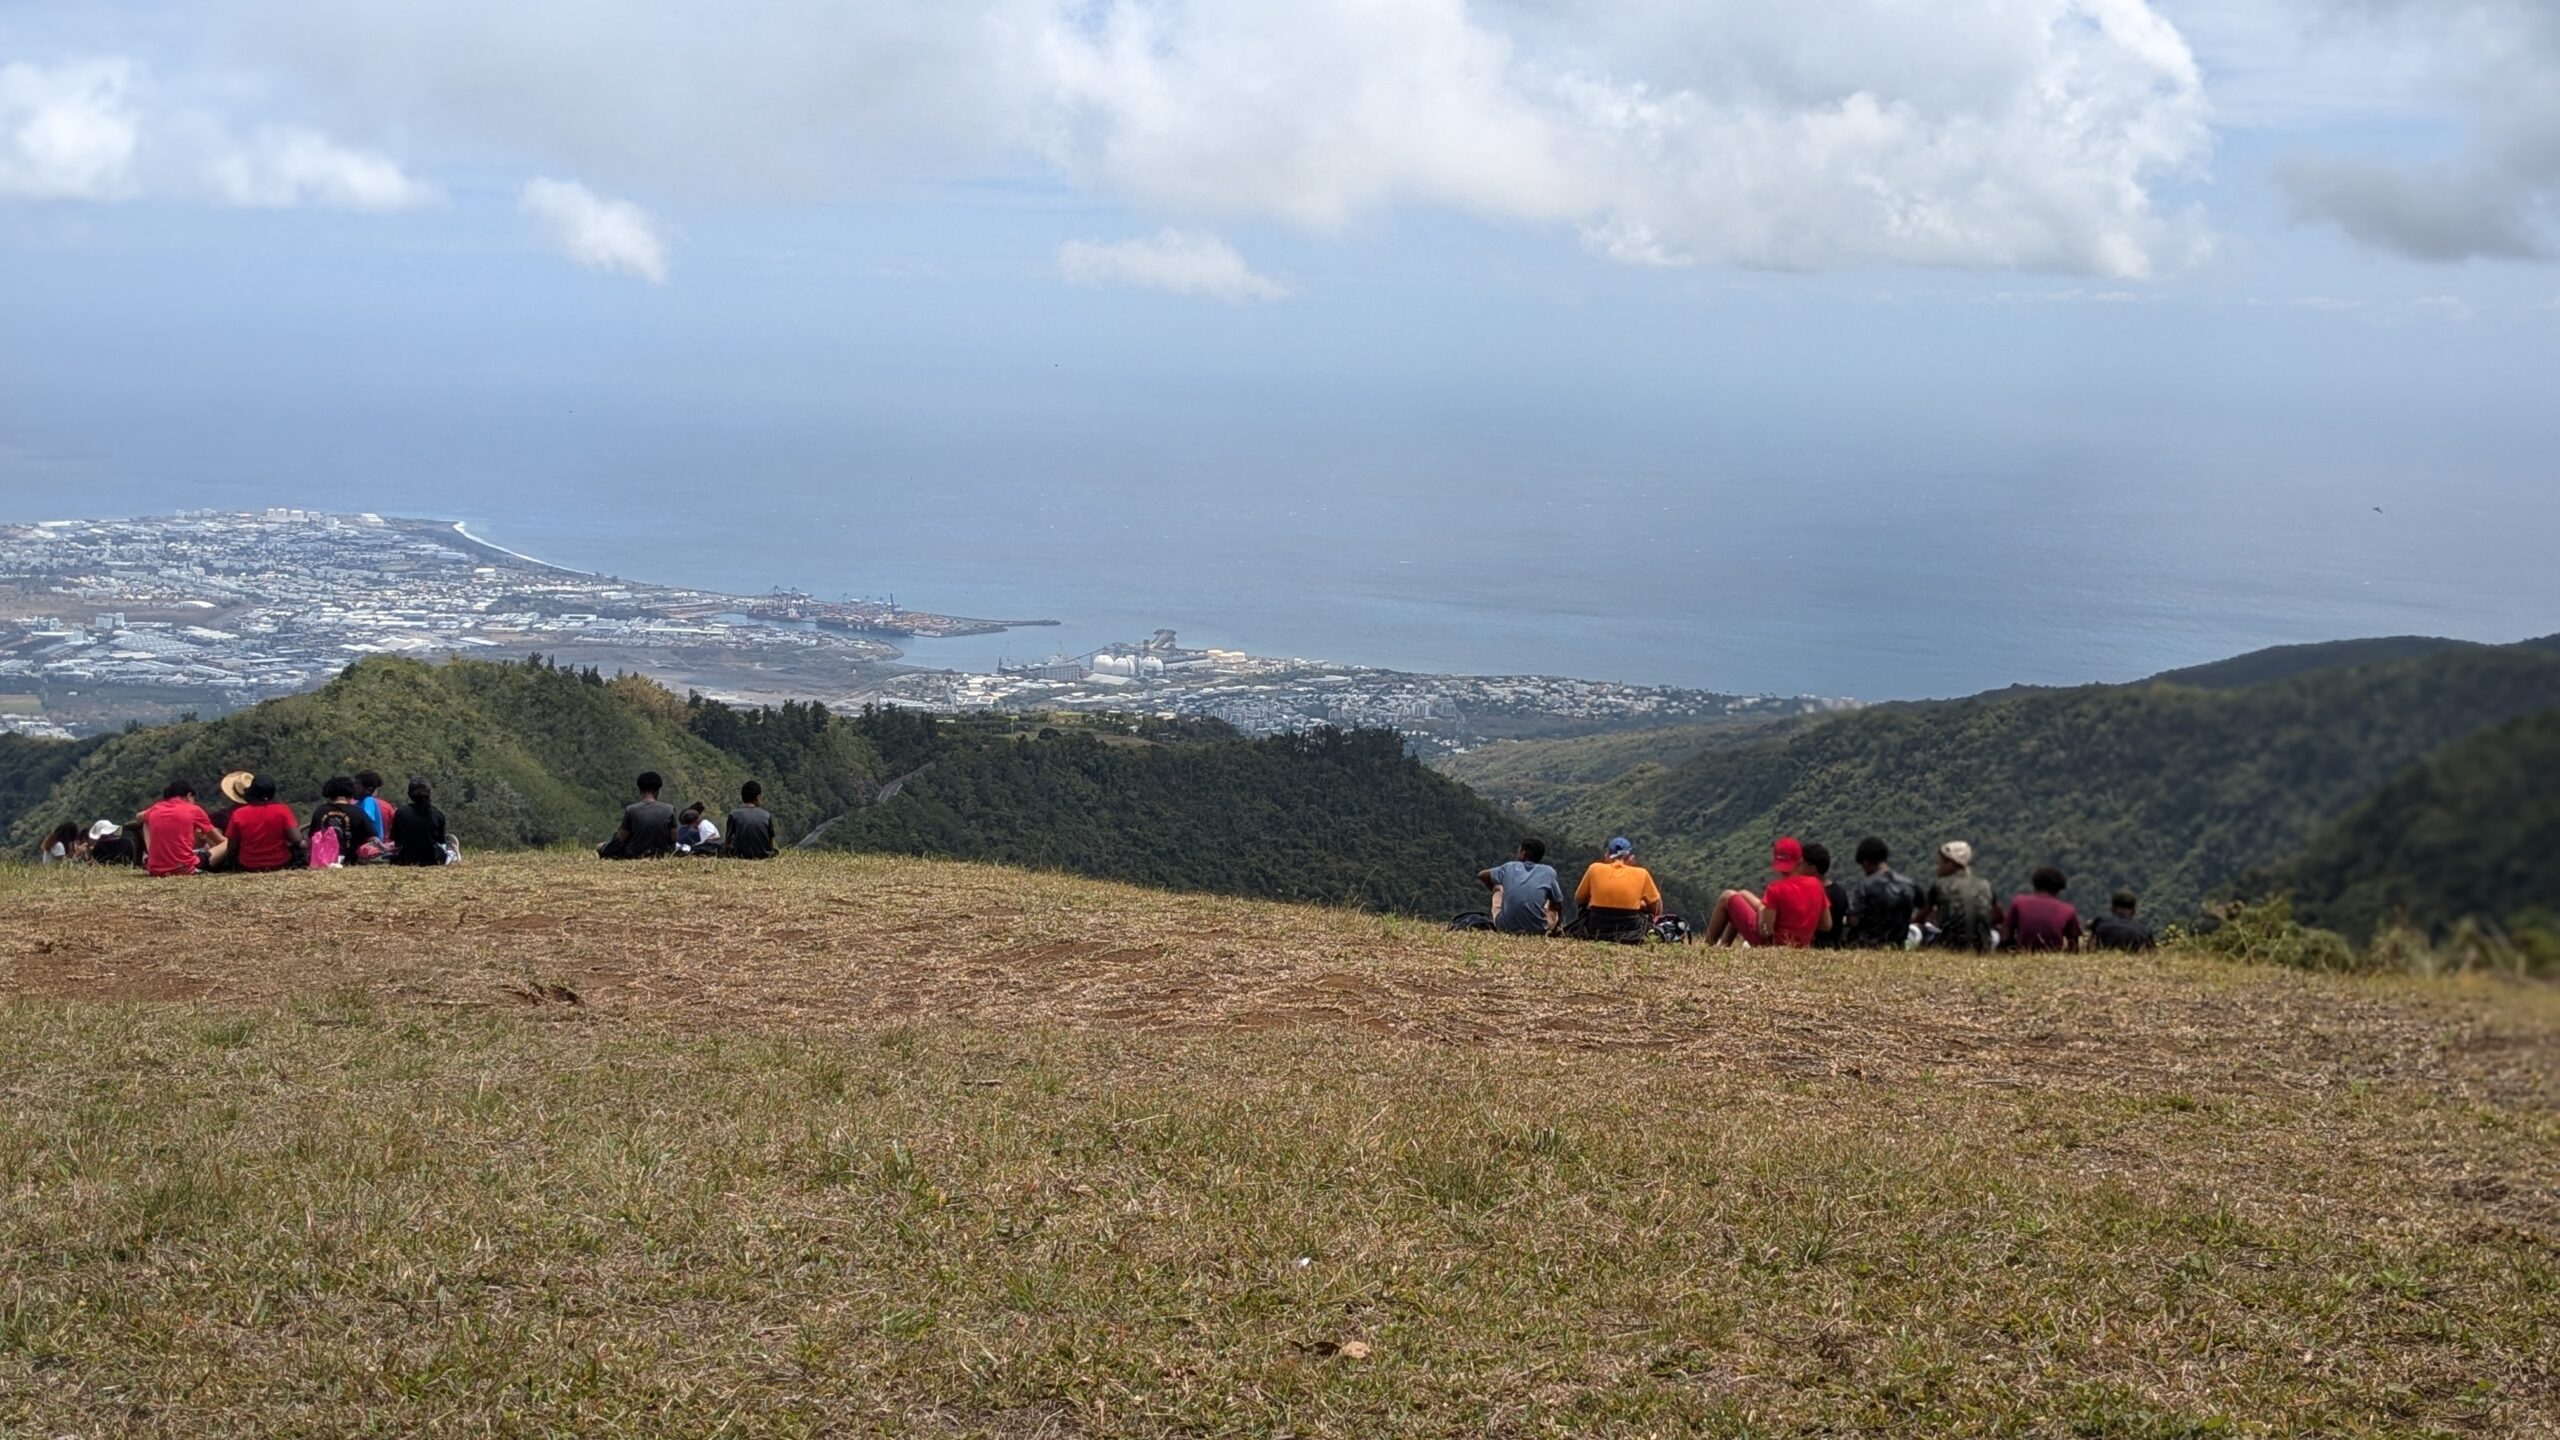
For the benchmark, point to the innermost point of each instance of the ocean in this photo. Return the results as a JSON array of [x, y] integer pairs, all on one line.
[[1833, 571]]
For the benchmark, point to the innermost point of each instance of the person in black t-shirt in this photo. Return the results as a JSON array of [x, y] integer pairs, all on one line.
[[417, 830], [648, 825], [750, 826], [1881, 901], [339, 811], [2118, 929]]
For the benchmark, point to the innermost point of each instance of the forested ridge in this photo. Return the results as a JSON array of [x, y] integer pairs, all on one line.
[[2469, 834], [530, 754], [2170, 789], [1343, 817]]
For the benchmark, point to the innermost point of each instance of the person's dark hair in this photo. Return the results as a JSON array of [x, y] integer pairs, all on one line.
[[419, 794], [649, 782], [1533, 849], [65, 835], [262, 789], [1817, 858], [1873, 851], [2048, 881], [2123, 902], [751, 792], [369, 780], [337, 787], [691, 812], [177, 790]]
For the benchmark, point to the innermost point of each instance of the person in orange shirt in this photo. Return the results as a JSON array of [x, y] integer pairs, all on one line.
[[1617, 896]]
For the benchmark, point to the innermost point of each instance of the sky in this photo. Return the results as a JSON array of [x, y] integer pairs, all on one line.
[[2184, 278]]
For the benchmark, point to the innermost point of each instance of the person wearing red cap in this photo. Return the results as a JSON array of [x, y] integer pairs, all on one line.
[[1793, 910]]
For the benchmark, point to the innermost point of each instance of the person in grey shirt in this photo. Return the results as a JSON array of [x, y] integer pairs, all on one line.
[[648, 825], [750, 825], [1530, 898]]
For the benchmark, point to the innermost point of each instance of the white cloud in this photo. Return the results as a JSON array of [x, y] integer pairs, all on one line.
[[87, 130], [1184, 262], [287, 166], [2495, 66], [597, 231], [2001, 133], [68, 132]]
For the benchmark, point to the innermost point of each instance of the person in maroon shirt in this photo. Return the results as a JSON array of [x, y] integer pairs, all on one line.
[[261, 834], [2042, 919]]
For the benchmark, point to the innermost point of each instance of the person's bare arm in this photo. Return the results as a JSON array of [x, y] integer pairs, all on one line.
[[1485, 879], [1825, 926]]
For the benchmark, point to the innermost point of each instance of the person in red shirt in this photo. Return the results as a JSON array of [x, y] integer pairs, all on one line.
[[262, 834], [2043, 920], [169, 831], [1793, 910]]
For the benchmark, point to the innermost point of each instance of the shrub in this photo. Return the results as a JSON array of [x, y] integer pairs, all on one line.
[[2267, 934]]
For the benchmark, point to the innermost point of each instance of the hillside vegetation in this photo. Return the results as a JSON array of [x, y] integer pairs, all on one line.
[[2471, 833], [1333, 816], [530, 755], [520, 754], [1544, 778], [872, 1146], [2169, 789]]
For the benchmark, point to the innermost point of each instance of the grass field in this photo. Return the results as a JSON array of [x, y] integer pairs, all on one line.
[[862, 1146]]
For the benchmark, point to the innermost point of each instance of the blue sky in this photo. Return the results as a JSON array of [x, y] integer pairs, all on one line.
[[1344, 247]]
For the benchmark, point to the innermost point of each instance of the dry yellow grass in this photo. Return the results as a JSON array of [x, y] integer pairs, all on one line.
[[869, 1146]]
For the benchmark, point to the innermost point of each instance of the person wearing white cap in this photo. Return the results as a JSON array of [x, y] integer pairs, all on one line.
[[107, 845], [1961, 906]]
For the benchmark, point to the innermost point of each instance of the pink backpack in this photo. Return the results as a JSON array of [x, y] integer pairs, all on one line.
[[324, 847]]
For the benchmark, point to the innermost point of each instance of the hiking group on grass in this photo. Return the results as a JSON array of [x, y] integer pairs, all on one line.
[[1617, 899], [1802, 908], [354, 824]]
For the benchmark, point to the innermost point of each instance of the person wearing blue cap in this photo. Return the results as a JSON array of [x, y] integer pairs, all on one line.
[[1617, 897]]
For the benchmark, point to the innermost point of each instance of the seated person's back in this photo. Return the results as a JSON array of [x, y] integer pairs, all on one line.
[[2121, 928], [652, 823], [2042, 919], [750, 826], [1617, 896], [263, 833], [417, 829]]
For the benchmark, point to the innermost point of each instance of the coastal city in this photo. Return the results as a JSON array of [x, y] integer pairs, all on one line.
[[106, 622]]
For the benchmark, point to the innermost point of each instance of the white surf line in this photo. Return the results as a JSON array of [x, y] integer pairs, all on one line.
[[462, 528]]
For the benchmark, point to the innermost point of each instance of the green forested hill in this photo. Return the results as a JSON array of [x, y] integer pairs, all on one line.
[[1545, 778], [29, 769], [2472, 833], [519, 754], [1342, 817], [2169, 789], [2283, 662], [530, 755]]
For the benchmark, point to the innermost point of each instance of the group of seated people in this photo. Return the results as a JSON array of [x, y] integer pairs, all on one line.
[[1801, 907], [652, 829], [250, 830], [354, 824]]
